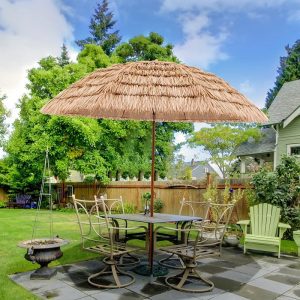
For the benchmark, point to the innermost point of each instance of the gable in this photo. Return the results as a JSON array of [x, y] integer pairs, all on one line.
[[285, 103]]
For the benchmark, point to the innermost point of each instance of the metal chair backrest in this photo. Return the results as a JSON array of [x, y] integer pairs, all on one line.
[[194, 208], [219, 217], [101, 203], [90, 225], [112, 205]]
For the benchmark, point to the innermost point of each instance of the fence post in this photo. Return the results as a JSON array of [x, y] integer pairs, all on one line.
[[208, 179]]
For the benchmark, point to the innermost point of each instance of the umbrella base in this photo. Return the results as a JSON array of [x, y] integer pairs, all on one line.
[[144, 270]]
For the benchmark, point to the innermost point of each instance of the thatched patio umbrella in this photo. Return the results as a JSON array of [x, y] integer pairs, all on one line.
[[154, 91]]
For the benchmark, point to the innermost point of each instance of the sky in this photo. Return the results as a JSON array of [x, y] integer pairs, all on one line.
[[238, 40]]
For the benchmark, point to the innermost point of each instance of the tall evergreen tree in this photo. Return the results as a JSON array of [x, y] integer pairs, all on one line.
[[101, 29], [64, 58], [288, 70]]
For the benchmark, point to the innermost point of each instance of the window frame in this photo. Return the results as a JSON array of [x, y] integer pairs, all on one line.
[[289, 147]]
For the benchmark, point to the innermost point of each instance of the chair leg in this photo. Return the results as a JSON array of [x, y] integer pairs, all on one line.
[[130, 260], [170, 258], [189, 272], [111, 269]]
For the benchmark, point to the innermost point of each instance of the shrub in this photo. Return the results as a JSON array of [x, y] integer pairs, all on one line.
[[129, 208], [280, 188], [211, 193], [3, 203], [158, 205]]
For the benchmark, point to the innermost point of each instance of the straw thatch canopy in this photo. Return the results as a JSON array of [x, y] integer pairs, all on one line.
[[136, 90]]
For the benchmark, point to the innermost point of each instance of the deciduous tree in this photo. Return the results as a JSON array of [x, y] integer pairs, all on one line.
[[221, 140], [146, 48], [4, 113]]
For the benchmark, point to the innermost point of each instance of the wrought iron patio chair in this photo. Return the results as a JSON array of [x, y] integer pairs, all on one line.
[[116, 206], [187, 207], [97, 234], [205, 241]]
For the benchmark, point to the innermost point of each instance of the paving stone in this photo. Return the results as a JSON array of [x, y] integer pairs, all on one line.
[[229, 296], [261, 273], [290, 271], [207, 260], [227, 264], [270, 285], [283, 261], [248, 269], [255, 270], [64, 293], [212, 268], [285, 298], [209, 295], [117, 294], [68, 269], [75, 277], [87, 288], [38, 286], [255, 293], [293, 292], [225, 283], [238, 260], [284, 278], [90, 265], [175, 295], [294, 265], [148, 289], [236, 276]]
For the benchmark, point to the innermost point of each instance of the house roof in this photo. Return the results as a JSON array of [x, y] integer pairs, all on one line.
[[266, 144], [285, 103], [201, 170]]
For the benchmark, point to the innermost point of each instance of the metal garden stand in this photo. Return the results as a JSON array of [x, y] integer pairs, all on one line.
[[43, 250]]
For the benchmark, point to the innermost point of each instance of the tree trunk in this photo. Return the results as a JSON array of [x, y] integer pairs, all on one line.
[[141, 176], [118, 175]]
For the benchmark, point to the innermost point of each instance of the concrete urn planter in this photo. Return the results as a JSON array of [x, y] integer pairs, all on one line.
[[296, 236]]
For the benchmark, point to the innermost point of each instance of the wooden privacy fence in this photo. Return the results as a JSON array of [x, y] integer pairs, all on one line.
[[170, 193]]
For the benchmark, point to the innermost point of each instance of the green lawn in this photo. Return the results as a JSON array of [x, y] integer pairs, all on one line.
[[16, 225]]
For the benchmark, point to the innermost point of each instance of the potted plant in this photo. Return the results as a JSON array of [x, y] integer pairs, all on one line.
[[233, 232], [232, 235], [146, 197], [158, 203]]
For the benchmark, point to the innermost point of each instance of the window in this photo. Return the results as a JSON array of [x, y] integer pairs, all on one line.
[[293, 149], [69, 190]]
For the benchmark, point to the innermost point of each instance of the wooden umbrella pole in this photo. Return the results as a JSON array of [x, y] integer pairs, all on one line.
[[151, 250], [152, 166]]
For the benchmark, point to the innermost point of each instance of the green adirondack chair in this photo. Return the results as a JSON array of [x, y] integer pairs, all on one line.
[[266, 230]]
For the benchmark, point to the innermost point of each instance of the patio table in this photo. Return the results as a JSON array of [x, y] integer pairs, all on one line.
[[156, 219]]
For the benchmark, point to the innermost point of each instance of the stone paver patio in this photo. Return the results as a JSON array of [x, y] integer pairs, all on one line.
[[236, 276]]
